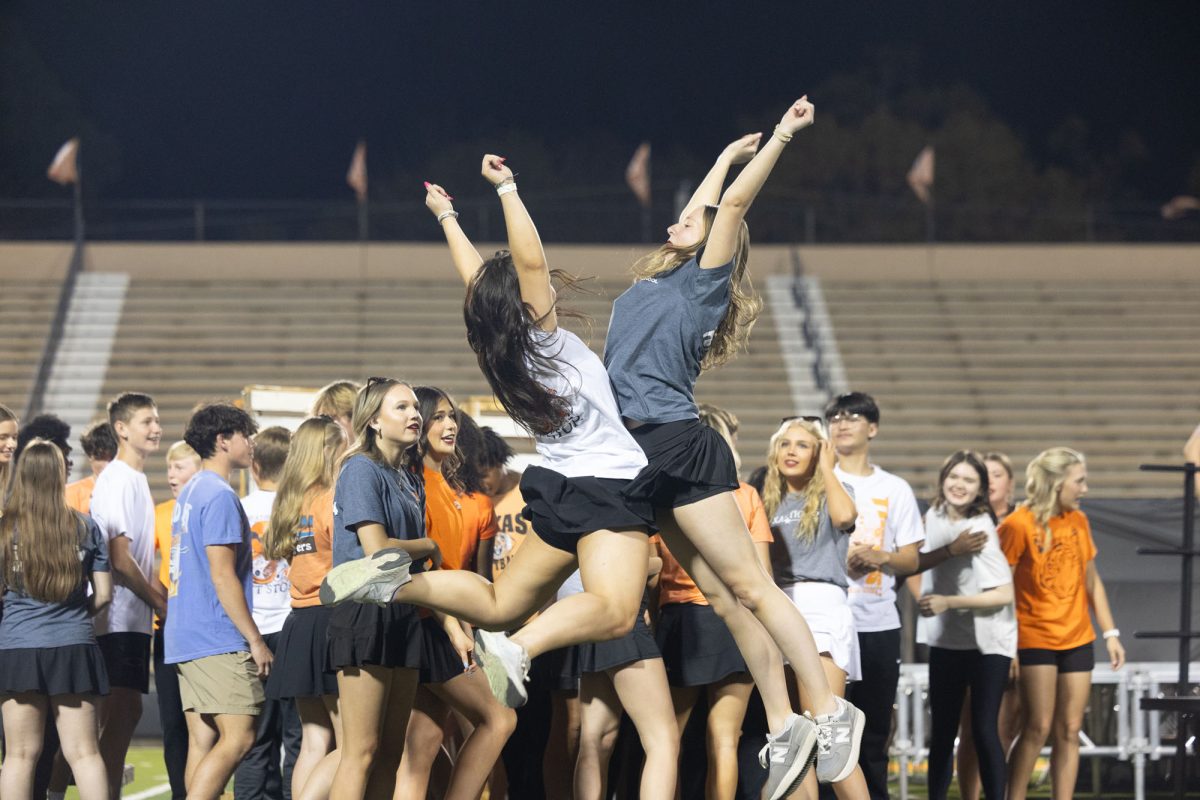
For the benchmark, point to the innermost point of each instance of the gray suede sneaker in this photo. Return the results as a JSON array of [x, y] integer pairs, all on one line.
[[367, 580], [788, 756], [506, 665], [837, 743]]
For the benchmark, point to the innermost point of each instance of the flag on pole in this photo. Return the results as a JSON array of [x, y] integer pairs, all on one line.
[[920, 176], [356, 176], [1176, 207], [637, 174], [64, 169]]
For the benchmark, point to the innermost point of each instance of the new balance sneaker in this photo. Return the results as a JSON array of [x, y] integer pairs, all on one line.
[[506, 665], [788, 756], [367, 580], [838, 738]]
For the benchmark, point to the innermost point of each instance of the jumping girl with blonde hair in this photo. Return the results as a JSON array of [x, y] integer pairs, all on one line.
[[1048, 543]]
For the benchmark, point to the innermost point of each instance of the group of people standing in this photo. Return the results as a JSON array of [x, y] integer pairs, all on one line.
[[379, 607]]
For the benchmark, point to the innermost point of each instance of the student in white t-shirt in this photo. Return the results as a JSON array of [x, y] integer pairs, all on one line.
[[967, 619], [887, 535], [260, 775], [124, 509]]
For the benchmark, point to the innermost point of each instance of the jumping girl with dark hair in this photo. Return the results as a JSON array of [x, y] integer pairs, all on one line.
[[449, 679], [968, 623], [552, 384], [690, 309], [51, 670]]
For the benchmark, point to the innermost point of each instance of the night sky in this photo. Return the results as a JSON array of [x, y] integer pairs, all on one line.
[[255, 99]]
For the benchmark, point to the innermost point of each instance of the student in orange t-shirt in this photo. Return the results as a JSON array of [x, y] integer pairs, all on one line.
[[448, 674], [1048, 542], [300, 530], [698, 650], [182, 464], [99, 444]]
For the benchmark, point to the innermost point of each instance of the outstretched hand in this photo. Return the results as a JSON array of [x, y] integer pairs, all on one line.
[[799, 116], [742, 150], [436, 199], [494, 171]]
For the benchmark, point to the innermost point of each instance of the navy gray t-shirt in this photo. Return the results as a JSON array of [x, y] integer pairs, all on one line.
[[659, 331], [29, 623], [371, 492], [823, 558]]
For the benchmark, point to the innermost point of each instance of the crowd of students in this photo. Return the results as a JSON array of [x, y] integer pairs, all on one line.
[[374, 619]]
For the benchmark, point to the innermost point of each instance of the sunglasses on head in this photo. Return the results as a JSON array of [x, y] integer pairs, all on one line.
[[804, 418]]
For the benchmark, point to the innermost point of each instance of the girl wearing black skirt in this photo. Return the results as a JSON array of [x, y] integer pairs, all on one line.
[[379, 504], [50, 664], [549, 381], [301, 531]]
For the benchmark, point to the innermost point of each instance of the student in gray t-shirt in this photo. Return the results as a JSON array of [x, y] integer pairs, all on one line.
[[49, 660]]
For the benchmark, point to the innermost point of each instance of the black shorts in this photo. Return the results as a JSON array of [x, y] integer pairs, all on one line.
[[697, 648], [127, 658], [689, 461], [362, 635], [1077, 659], [439, 660], [70, 669], [299, 668], [563, 509]]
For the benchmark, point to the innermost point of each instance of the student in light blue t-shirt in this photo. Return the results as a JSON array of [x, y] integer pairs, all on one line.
[[210, 635]]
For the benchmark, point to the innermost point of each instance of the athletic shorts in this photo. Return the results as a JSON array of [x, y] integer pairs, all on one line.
[[127, 659], [1077, 659]]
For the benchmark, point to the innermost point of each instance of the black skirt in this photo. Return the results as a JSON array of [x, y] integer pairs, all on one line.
[[689, 461], [71, 669], [697, 648], [360, 635], [562, 509], [299, 668], [637, 645], [557, 670], [439, 660]]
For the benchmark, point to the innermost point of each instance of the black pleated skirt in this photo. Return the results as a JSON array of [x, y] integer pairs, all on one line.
[[300, 654], [689, 461], [360, 635], [697, 648], [71, 669]]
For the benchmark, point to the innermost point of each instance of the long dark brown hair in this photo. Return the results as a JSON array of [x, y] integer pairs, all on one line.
[[39, 533], [428, 398], [503, 331]]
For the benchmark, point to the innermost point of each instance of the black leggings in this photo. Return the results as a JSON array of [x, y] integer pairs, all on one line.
[[950, 673]]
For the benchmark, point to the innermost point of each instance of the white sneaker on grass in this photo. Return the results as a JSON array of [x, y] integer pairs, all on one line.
[[506, 665], [788, 755], [839, 735], [373, 579]]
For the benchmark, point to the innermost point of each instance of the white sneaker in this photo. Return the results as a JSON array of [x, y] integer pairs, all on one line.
[[506, 665], [367, 580], [788, 756], [839, 735]]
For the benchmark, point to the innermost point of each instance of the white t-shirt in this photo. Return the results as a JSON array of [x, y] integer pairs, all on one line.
[[888, 519], [991, 631], [123, 506], [592, 441], [272, 600]]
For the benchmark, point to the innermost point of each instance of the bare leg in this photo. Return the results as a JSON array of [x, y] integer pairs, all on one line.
[[727, 701], [1039, 690], [235, 737], [202, 737], [562, 747], [470, 695], [422, 743], [855, 786], [375, 704], [716, 527], [119, 715], [600, 718], [78, 731], [1074, 688], [753, 641], [318, 739], [641, 688], [24, 723]]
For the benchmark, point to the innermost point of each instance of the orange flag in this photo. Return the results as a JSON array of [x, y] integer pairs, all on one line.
[[356, 176], [920, 176], [637, 174], [1178, 206], [64, 168]]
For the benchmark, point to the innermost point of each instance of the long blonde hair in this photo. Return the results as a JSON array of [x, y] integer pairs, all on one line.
[[43, 560], [725, 423], [733, 332], [311, 465], [1044, 478], [367, 406], [775, 486]]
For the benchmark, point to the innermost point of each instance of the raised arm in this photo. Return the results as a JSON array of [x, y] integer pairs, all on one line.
[[708, 193], [722, 239], [466, 258], [533, 275]]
